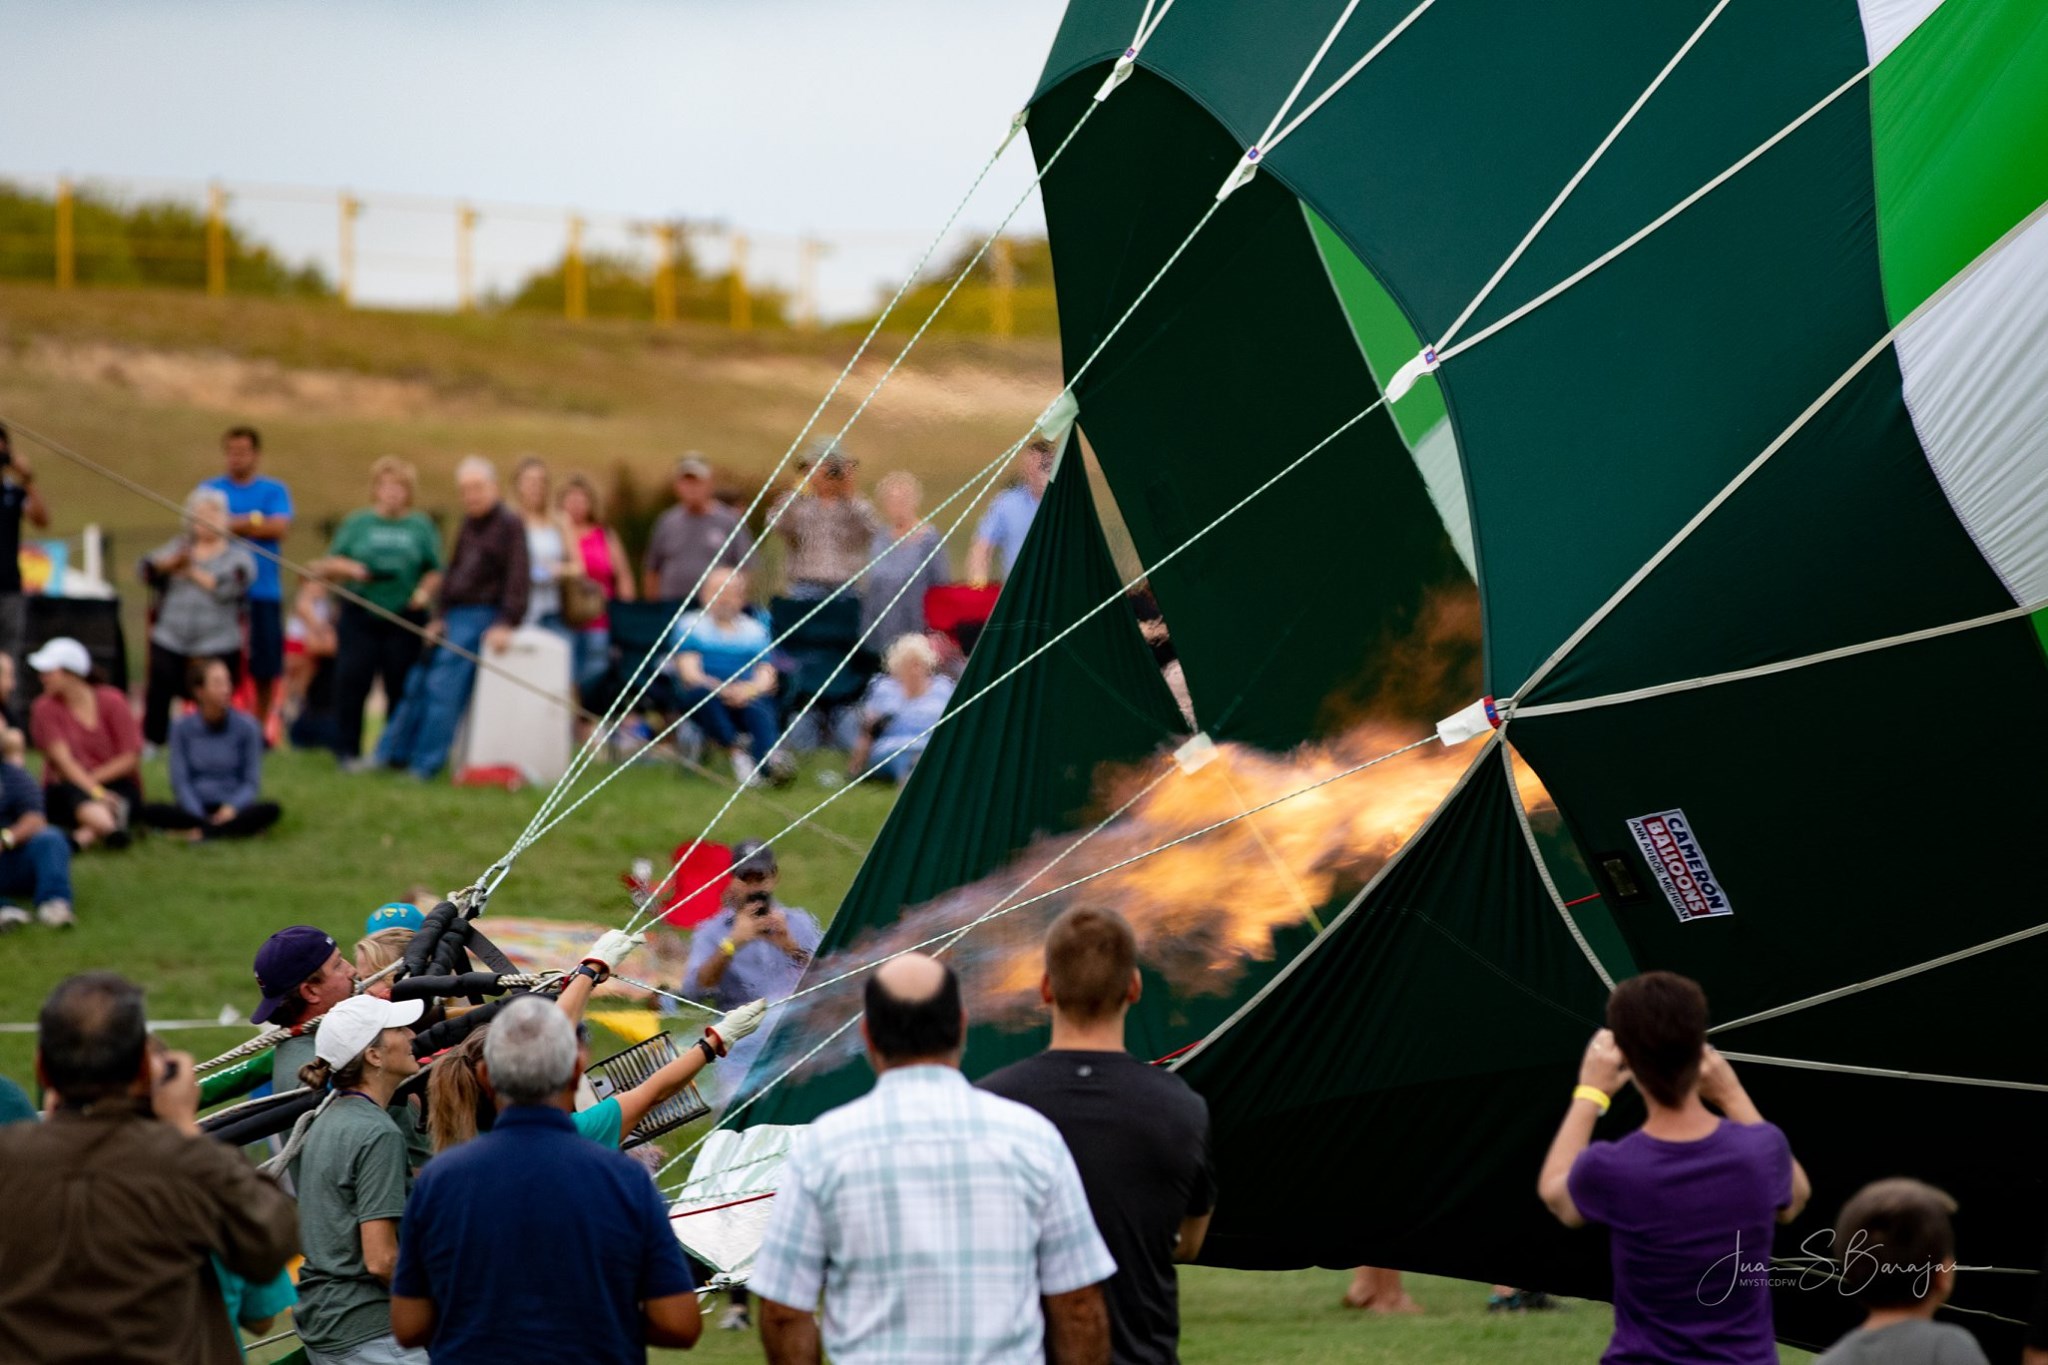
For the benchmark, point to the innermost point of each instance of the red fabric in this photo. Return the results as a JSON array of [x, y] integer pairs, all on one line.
[[511, 779], [50, 720], [712, 864], [955, 605]]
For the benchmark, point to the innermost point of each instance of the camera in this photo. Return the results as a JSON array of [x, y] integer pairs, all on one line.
[[756, 901]]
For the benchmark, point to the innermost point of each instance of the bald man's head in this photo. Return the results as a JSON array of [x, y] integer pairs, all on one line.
[[914, 1012]]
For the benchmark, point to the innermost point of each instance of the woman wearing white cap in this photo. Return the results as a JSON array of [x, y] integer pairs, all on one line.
[[352, 1179], [92, 750]]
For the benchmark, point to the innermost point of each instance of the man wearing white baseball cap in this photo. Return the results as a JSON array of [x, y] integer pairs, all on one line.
[[352, 1179]]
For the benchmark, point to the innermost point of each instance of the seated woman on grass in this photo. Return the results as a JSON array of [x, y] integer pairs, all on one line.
[[216, 757]]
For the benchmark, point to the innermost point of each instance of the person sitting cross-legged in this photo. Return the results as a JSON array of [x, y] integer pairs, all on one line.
[[723, 665], [216, 766]]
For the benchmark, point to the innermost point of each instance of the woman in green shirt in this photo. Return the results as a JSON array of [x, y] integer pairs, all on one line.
[[388, 554]]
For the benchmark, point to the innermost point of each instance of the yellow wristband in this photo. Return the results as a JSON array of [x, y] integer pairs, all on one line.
[[1594, 1093], [98, 793], [729, 948]]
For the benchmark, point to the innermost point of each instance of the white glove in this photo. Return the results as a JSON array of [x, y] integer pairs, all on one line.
[[611, 949], [735, 1026]]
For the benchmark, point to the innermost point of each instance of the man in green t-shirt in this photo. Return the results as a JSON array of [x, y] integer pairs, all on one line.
[[390, 555]]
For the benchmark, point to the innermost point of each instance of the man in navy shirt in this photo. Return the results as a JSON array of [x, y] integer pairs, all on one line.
[[259, 511], [532, 1242]]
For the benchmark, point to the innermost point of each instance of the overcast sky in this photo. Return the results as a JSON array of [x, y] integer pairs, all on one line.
[[860, 120]]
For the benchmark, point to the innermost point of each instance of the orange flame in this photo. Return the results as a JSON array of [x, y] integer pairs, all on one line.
[[1205, 908]]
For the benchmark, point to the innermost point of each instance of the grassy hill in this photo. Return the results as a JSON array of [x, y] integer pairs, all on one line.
[[145, 380]]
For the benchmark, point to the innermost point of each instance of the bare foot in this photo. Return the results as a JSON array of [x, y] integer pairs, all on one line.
[[1399, 1304]]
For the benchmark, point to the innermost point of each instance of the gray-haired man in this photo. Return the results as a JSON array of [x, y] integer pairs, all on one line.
[[580, 1266], [483, 599]]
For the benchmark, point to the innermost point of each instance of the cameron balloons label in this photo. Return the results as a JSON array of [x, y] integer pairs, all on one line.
[[1673, 853]]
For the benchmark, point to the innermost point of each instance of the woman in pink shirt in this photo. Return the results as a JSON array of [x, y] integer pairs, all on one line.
[[597, 549], [92, 747]]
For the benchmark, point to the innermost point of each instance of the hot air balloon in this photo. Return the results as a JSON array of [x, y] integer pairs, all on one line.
[[1661, 391]]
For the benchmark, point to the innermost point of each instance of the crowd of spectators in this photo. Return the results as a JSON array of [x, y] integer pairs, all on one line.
[[1037, 1214]]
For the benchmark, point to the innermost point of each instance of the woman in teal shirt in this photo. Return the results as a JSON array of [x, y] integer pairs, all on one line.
[[389, 555]]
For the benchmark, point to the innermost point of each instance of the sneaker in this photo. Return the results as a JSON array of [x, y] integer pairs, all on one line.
[[12, 917], [56, 913], [742, 768], [361, 763], [780, 769], [734, 1319]]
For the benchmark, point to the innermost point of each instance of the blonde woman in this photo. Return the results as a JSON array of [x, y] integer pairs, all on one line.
[[900, 707], [388, 554], [547, 547]]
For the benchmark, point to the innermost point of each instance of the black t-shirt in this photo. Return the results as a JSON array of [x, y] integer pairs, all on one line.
[[1140, 1137], [13, 499]]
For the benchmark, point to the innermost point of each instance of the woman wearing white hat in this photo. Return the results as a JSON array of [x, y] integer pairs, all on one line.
[[352, 1180], [92, 750]]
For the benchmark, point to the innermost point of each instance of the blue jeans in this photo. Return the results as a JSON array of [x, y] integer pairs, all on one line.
[[436, 694], [40, 869], [593, 654], [722, 724]]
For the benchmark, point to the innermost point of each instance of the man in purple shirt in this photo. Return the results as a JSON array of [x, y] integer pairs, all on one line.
[[1690, 1198]]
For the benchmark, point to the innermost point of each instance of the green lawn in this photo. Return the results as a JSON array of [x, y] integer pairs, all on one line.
[[185, 920]]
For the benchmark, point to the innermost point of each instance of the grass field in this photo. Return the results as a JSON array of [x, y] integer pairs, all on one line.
[[185, 921]]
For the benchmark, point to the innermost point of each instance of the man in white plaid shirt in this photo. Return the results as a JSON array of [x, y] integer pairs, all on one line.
[[938, 1222]]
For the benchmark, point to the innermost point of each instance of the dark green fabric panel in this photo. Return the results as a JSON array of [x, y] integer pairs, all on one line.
[[1894, 1026], [1855, 821], [1844, 537], [1596, 427], [1021, 762], [1390, 1101], [1238, 362]]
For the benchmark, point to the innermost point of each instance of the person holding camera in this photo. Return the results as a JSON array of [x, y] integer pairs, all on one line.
[[19, 500], [117, 1202], [755, 947]]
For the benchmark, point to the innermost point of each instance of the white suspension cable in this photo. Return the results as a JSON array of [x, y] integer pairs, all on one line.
[[993, 467], [650, 909], [1350, 73], [1248, 165], [1840, 992], [1609, 256], [637, 687], [1826, 656], [954, 935], [951, 937], [961, 705], [1883, 1072], [1543, 871], [1579, 176]]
